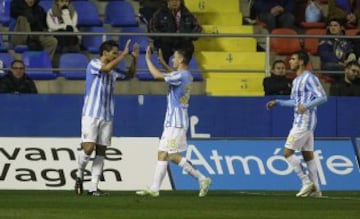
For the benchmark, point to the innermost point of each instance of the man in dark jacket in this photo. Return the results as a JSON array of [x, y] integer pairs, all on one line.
[[175, 18], [31, 17], [349, 85], [277, 83], [275, 13], [16, 81]]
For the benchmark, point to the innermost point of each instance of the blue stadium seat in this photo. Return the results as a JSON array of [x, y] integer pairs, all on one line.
[[6, 58], [5, 13], [74, 61], [142, 72], [120, 14], [92, 43], [88, 14], [143, 41], [41, 62], [3, 46], [46, 4]]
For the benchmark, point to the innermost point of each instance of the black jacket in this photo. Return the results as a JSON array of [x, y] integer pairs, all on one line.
[[9, 84], [35, 15], [163, 21], [343, 88], [277, 85]]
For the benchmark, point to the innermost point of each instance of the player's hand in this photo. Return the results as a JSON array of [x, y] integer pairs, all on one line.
[[161, 56], [270, 104], [301, 109], [136, 50], [148, 52], [126, 49]]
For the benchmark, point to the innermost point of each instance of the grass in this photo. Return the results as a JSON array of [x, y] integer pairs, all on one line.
[[176, 204]]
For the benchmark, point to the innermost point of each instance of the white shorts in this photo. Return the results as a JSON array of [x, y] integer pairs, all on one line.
[[300, 140], [173, 140], [95, 130]]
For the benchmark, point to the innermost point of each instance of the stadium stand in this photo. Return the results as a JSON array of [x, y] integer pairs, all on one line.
[[284, 46], [91, 43], [6, 58], [311, 44], [74, 61], [88, 14], [143, 41], [120, 14], [41, 62], [5, 13]]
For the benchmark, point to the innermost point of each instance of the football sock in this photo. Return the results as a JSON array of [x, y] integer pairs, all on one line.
[[96, 171], [296, 164], [160, 172], [83, 160], [313, 173], [188, 168]]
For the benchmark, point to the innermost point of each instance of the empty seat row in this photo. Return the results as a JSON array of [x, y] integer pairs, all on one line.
[[73, 66]]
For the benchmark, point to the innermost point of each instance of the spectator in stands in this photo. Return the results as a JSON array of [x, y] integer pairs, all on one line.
[[349, 85], [275, 13], [347, 11], [174, 18], [277, 83], [30, 16], [16, 81], [62, 17], [148, 8], [335, 53]]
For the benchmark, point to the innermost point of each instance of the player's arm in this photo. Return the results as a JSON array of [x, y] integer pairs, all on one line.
[[111, 65], [134, 55], [288, 103], [153, 70], [163, 63]]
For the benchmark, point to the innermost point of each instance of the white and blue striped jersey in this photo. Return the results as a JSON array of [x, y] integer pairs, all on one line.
[[305, 88], [99, 91], [180, 84]]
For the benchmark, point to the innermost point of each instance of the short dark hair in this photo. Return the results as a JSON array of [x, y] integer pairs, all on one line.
[[302, 55], [186, 54], [17, 61], [352, 63], [107, 46], [276, 62]]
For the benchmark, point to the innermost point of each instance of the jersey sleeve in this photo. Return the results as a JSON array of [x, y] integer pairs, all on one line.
[[173, 78]]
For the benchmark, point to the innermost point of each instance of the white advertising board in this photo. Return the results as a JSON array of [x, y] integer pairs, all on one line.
[[50, 163]]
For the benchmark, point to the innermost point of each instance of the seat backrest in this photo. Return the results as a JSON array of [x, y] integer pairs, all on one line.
[[5, 13], [38, 65], [73, 65], [88, 14], [46, 4], [143, 41], [352, 32], [92, 43], [311, 44], [6, 58], [120, 14], [284, 46]]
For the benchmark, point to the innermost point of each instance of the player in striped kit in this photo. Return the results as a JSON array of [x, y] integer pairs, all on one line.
[[306, 94], [173, 139], [98, 110]]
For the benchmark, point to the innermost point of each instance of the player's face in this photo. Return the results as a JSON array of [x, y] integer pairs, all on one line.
[[177, 60], [112, 54], [279, 69], [294, 62], [62, 3]]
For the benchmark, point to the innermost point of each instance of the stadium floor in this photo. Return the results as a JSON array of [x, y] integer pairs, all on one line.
[[176, 204]]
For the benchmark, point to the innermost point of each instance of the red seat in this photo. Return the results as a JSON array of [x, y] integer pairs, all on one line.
[[282, 45], [311, 25], [311, 44], [352, 32]]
